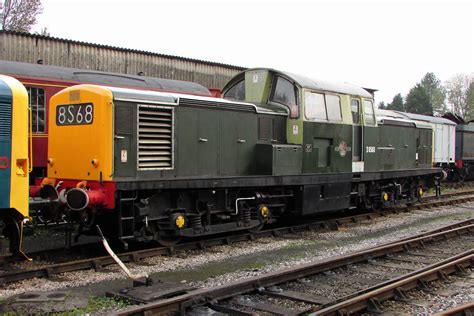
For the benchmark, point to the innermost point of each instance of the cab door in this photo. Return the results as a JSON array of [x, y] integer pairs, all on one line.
[[357, 137], [247, 131], [207, 142], [125, 154]]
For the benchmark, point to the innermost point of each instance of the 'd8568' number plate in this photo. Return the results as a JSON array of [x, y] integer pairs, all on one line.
[[75, 114]]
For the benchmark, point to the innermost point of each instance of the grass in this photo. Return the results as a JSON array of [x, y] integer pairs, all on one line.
[[96, 304]]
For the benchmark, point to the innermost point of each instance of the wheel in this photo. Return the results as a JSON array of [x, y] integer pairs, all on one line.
[[167, 239], [256, 229], [12, 232], [87, 219], [375, 205]]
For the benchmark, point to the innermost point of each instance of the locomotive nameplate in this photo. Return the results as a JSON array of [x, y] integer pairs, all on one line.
[[75, 114]]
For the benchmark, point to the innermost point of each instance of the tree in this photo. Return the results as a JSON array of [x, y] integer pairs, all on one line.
[[397, 103], [457, 89], [20, 15], [43, 32], [435, 91], [470, 101], [418, 101], [382, 105], [427, 96]]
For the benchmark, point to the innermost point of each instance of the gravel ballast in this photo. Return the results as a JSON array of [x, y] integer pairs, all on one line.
[[223, 264]]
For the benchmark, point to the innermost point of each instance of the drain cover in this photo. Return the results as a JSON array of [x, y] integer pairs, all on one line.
[[42, 297], [157, 291]]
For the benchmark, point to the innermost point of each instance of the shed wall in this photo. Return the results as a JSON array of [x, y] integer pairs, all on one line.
[[30, 48]]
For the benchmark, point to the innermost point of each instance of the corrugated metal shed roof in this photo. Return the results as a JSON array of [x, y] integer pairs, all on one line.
[[37, 36]]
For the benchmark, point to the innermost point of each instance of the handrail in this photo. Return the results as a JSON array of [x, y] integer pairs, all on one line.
[[30, 141]]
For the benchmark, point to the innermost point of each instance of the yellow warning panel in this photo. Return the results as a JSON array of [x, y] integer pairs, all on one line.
[[81, 134]]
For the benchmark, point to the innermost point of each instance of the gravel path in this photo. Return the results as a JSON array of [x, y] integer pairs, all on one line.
[[223, 264]]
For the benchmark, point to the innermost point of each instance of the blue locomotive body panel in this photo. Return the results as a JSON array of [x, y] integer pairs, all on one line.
[[5, 143]]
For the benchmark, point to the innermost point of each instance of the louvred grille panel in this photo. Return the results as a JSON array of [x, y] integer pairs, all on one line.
[[155, 137]]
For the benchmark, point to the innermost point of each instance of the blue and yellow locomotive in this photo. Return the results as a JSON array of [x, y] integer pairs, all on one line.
[[14, 159]]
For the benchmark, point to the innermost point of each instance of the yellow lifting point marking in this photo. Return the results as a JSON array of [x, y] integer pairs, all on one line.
[[385, 197], [179, 221], [264, 211]]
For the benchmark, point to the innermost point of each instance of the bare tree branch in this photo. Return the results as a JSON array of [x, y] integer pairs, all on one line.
[[20, 15], [457, 88]]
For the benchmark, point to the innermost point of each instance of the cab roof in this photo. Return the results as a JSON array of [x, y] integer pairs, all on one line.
[[316, 84]]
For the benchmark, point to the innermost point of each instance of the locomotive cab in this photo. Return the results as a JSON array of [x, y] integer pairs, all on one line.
[[317, 111]]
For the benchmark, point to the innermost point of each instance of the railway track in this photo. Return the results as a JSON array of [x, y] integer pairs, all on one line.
[[397, 290], [457, 185], [98, 263], [358, 282]]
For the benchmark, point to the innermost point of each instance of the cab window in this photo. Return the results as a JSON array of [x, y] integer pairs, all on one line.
[[355, 108], [369, 112], [284, 92], [319, 106], [314, 107], [333, 106], [38, 109], [236, 92]]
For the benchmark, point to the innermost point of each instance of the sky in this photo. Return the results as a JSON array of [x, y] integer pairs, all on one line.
[[384, 45]]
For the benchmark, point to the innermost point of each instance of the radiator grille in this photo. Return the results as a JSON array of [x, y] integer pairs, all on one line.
[[5, 121], [155, 137]]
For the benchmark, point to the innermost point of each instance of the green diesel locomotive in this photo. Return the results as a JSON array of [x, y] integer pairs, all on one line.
[[159, 166]]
